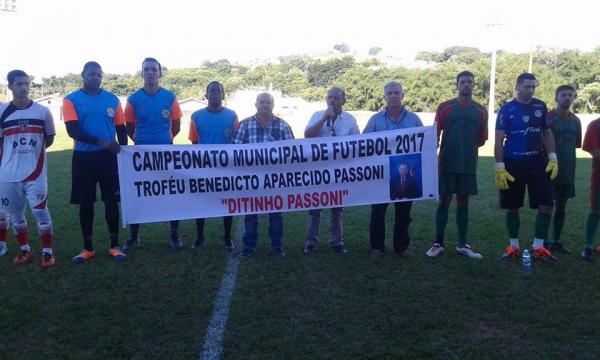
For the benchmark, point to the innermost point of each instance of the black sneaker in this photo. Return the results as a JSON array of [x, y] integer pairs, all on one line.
[[229, 245], [199, 245], [130, 244], [586, 254], [176, 243], [246, 252], [278, 252], [339, 248], [560, 247], [310, 248]]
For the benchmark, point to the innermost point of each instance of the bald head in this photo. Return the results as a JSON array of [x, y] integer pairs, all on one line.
[[403, 169], [264, 104]]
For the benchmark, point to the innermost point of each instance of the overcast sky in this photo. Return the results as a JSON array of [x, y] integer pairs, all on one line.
[[55, 37]]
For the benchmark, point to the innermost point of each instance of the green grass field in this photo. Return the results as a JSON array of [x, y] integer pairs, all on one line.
[[158, 303]]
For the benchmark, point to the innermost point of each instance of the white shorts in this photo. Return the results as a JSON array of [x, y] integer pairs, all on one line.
[[13, 195]]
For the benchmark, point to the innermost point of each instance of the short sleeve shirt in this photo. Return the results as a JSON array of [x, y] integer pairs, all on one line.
[[97, 116], [208, 127], [523, 125], [463, 127], [381, 121], [152, 115], [24, 149], [345, 124]]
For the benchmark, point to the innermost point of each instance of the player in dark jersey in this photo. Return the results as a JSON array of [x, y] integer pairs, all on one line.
[[566, 129], [462, 124], [525, 157]]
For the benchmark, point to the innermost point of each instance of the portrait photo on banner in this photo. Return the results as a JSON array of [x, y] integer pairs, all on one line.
[[406, 177]]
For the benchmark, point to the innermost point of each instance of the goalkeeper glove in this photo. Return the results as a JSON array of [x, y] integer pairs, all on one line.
[[552, 166], [502, 177]]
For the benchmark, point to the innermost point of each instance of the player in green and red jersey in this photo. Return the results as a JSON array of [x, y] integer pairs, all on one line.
[[462, 124], [566, 129]]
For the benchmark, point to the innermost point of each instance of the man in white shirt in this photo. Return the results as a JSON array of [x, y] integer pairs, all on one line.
[[330, 122]]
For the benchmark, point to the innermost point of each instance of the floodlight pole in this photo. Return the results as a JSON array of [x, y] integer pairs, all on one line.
[[492, 100]]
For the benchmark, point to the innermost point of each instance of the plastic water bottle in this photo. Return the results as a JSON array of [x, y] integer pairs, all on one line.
[[526, 263]]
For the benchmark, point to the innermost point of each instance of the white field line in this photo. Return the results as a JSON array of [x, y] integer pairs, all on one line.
[[213, 348]]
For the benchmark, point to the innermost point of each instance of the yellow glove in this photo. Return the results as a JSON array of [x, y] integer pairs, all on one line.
[[552, 166], [502, 177]]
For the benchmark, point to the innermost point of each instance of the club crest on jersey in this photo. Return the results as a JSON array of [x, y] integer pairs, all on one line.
[[166, 113], [228, 132], [526, 119], [23, 124], [110, 112], [538, 113]]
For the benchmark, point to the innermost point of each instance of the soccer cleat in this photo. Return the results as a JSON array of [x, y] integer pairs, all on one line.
[[198, 245], [3, 249], [246, 252], [117, 254], [23, 257], [339, 248], [435, 250], [376, 253], [467, 251], [310, 248], [406, 254], [586, 254], [83, 257], [130, 244], [278, 252], [511, 253], [176, 243], [559, 247], [543, 254], [48, 260], [229, 245]]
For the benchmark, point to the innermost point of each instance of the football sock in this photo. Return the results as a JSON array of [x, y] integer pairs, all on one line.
[[512, 224], [590, 230], [227, 222], [462, 221], [558, 223], [542, 225], [200, 230], [86, 220], [441, 219]]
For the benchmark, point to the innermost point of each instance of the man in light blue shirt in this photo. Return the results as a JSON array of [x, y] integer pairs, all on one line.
[[394, 116]]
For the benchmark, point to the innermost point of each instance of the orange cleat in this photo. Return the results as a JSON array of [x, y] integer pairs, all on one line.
[[117, 254], [511, 253], [543, 254], [83, 257]]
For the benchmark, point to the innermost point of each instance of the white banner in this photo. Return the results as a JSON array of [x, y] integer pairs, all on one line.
[[176, 182]]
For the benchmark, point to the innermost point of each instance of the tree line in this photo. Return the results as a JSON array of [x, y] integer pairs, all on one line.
[[426, 86]]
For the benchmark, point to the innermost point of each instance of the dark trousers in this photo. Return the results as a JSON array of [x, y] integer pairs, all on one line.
[[401, 221]]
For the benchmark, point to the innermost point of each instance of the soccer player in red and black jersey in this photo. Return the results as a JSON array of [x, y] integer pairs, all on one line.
[[462, 124]]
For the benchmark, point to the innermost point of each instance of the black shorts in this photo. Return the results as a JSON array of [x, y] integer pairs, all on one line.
[[89, 169], [530, 173]]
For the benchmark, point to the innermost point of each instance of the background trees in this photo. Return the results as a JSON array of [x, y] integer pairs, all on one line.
[[426, 85]]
